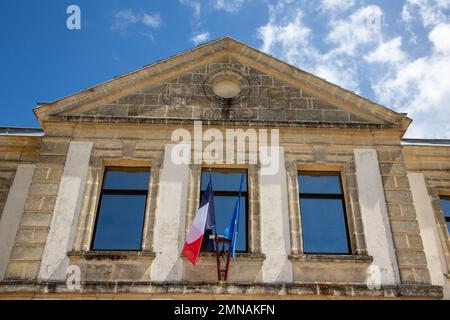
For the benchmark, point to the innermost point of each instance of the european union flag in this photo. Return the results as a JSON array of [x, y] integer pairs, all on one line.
[[231, 230]]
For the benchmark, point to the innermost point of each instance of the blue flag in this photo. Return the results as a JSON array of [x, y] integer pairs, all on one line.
[[232, 229]]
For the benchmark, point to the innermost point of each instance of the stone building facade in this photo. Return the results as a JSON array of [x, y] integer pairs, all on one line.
[[51, 182]]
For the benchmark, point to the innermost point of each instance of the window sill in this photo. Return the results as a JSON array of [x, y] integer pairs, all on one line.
[[330, 258], [111, 255], [239, 256]]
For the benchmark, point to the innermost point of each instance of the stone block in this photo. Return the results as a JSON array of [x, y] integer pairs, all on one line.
[[405, 226], [27, 252], [329, 272], [241, 270], [309, 115], [32, 219], [44, 188], [16, 270], [40, 203], [335, 116], [412, 258], [398, 196], [153, 111], [151, 99]]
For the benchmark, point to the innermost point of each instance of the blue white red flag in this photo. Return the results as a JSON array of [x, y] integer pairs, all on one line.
[[204, 218]]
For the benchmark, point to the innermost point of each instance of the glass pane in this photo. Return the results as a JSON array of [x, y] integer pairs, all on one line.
[[224, 208], [222, 181], [319, 184], [448, 227], [120, 221], [323, 226], [127, 179], [445, 204]]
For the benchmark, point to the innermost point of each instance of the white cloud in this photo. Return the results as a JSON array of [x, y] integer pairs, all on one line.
[[200, 38], [355, 52], [127, 17], [421, 88], [362, 27], [124, 18], [440, 37], [291, 38], [288, 37], [336, 6], [338, 70], [152, 21], [195, 5], [228, 5], [387, 52], [431, 12]]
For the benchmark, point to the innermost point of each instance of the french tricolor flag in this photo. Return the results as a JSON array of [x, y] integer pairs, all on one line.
[[204, 219]]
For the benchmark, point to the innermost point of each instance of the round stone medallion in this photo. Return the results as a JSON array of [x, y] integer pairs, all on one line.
[[226, 86]]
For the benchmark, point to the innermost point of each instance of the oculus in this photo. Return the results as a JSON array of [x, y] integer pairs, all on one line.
[[226, 86]]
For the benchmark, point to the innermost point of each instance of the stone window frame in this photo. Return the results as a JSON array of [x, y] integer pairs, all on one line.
[[244, 194], [254, 220], [353, 214], [91, 203], [445, 195], [123, 193], [436, 193], [327, 196]]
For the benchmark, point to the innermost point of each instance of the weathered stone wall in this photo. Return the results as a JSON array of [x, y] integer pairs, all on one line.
[[187, 97], [306, 149], [32, 234], [406, 234], [434, 163], [119, 145], [333, 151], [14, 150]]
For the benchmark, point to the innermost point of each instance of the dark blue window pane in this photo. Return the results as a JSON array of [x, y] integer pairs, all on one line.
[[127, 179], [319, 184], [323, 226], [224, 181], [120, 221], [448, 226], [228, 181], [445, 204], [224, 207]]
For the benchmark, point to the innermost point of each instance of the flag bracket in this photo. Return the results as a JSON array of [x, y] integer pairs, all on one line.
[[223, 254]]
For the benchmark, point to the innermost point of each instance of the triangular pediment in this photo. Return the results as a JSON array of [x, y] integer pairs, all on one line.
[[180, 88]]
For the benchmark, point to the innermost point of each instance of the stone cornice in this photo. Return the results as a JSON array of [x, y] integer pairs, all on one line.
[[111, 255], [118, 289], [330, 258], [181, 121]]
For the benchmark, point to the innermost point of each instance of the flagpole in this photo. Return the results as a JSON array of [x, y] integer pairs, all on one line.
[[237, 217], [215, 226]]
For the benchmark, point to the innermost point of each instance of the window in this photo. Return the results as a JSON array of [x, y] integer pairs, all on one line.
[[121, 210], [445, 204], [322, 209], [225, 185]]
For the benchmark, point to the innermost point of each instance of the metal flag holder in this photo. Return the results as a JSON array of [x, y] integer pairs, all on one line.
[[223, 254]]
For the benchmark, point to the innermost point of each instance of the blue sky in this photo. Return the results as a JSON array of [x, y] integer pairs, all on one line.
[[396, 53]]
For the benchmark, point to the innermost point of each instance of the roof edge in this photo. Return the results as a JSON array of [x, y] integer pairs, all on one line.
[[426, 142], [21, 132]]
